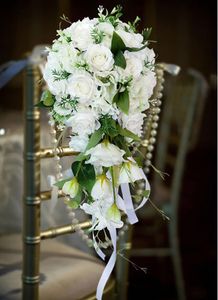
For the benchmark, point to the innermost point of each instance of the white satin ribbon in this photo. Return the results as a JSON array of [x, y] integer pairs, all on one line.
[[130, 211], [97, 248], [110, 265], [148, 188]]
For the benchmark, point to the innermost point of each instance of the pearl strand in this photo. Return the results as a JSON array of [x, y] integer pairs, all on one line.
[[59, 175]]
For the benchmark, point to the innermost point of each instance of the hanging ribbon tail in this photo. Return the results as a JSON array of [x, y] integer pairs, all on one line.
[[148, 188], [97, 248], [130, 211], [110, 265]]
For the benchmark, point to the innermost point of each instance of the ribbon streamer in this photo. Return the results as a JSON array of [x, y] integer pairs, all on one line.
[[130, 211], [110, 265]]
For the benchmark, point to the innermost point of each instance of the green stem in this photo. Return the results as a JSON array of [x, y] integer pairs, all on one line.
[[113, 183]]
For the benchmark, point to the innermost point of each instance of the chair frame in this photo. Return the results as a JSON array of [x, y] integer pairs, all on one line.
[[33, 197]]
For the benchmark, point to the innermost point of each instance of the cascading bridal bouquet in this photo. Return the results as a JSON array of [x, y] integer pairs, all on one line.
[[100, 76]]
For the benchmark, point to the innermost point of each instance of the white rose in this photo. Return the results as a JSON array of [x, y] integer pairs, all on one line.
[[81, 33], [99, 58], [133, 122], [107, 29], [134, 65], [67, 54], [132, 40], [105, 154], [141, 90], [56, 87], [83, 122], [78, 142], [82, 85]]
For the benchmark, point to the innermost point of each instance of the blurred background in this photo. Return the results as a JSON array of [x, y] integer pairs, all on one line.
[[185, 32]]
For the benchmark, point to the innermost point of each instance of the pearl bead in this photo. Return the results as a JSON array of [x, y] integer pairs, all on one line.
[[152, 140], [153, 133], [141, 185], [125, 227], [71, 214], [89, 243], [59, 167], [75, 221], [54, 141], [150, 148], [154, 125], [57, 158], [80, 232], [160, 95], [85, 237], [147, 170], [155, 118], [121, 233], [147, 163], [156, 110], [149, 155]]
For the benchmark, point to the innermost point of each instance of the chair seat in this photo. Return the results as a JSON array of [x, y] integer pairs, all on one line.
[[65, 273]]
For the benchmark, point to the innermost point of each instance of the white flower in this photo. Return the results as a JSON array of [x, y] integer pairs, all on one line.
[[104, 214], [102, 188], [132, 40], [83, 122], [78, 142], [82, 85], [63, 111], [141, 90], [99, 58], [67, 54], [105, 154], [133, 122], [81, 33], [134, 65], [107, 29], [56, 86], [71, 187], [130, 172]]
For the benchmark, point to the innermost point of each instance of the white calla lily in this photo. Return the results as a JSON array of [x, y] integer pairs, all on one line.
[[104, 214], [102, 188], [130, 172], [71, 187]]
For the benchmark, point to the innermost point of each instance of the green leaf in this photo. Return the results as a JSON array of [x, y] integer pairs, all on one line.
[[135, 49], [75, 202], [146, 33], [109, 126], [117, 43], [127, 133], [47, 98], [61, 183], [120, 142], [139, 161], [40, 104], [85, 174], [119, 59], [95, 139], [122, 101]]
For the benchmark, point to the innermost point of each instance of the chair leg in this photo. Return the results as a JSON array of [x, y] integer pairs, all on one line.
[[176, 259]]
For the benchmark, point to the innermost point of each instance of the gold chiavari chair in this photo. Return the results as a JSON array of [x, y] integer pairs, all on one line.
[[34, 198], [50, 269]]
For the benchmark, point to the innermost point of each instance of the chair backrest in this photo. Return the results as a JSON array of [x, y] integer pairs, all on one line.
[[184, 100]]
